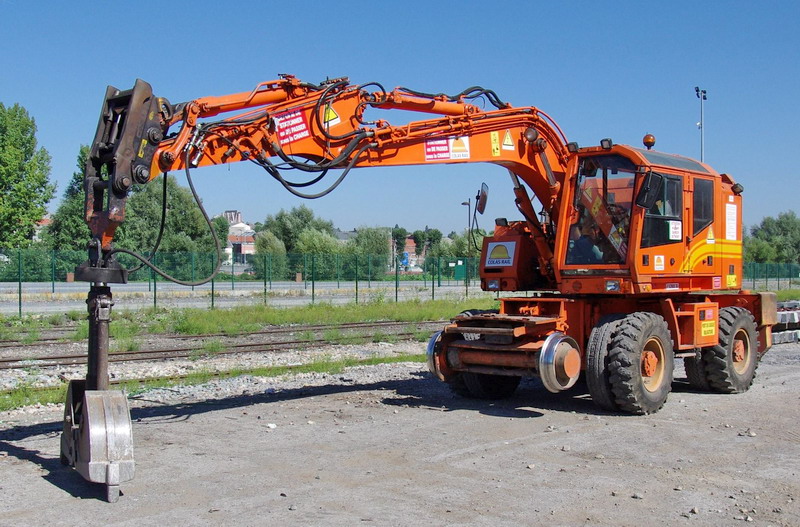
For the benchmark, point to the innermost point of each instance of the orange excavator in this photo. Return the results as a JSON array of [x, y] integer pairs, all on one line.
[[634, 257]]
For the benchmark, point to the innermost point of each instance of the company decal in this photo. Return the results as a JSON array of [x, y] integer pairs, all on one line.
[[291, 127], [658, 262], [500, 254], [672, 286], [708, 328], [731, 280], [450, 149]]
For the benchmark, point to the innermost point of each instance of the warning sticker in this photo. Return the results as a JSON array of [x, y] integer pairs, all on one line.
[[449, 149], [291, 127], [674, 230], [708, 328], [508, 142], [500, 254], [731, 280], [495, 138], [658, 263], [710, 237], [717, 282], [331, 118]]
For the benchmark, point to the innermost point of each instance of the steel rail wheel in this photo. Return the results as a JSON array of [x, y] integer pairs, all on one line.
[[731, 365], [641, 363]]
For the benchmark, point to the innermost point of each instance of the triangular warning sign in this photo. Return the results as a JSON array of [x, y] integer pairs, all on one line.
[[508, 142], [330, 117], [710, 236]]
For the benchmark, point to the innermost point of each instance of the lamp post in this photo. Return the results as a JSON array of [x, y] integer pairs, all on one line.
[[701, 94]]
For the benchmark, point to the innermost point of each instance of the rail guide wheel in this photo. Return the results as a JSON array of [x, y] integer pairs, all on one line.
[[97, 438]]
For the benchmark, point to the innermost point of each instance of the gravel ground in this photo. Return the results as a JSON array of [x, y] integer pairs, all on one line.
[[390, 445]]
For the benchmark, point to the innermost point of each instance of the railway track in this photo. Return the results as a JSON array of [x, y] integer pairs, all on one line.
[[385, 328]]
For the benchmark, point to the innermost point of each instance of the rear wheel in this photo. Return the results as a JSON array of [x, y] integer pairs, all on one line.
[[696, 373], [597, 375], [731, 365], [641, 363]]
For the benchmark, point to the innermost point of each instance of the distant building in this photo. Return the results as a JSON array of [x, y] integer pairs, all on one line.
[[233, 216]]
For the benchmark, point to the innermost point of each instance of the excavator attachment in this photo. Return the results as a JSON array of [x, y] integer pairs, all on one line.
[[97, 437]]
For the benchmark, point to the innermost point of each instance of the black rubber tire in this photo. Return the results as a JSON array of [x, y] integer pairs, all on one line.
[[636, 334], [597, 377], [483, 386], [695, 368], [724, 375]]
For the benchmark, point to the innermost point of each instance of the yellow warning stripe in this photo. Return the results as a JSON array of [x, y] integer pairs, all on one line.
[[722, 248]]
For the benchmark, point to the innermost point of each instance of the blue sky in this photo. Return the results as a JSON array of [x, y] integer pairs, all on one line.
[[600, 69]]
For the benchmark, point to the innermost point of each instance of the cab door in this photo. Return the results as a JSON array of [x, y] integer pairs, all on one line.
[[663, 245]]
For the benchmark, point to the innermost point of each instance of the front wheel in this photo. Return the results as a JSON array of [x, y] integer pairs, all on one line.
[[731, 365], [641, 363]]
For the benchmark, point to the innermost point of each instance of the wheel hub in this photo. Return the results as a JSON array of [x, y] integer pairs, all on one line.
[[649, 364], [738, 351]]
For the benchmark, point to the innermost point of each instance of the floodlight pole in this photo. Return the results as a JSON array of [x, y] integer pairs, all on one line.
[[701, 94]]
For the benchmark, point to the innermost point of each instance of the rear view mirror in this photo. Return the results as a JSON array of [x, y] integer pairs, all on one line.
[[650, 190], [480, 199]]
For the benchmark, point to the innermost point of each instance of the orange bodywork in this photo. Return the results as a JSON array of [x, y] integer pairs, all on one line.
[[682, 264]]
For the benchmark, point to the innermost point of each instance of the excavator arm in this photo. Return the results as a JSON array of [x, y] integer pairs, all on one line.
[[287, 124]]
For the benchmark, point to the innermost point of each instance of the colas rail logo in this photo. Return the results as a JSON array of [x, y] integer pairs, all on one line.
[[500, 254]]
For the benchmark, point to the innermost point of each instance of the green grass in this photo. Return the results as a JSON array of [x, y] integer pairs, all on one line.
[[26, 395], [788, 294]]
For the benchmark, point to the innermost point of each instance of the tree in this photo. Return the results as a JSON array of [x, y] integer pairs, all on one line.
[[25, 188], [370, 241], [270, 258], [287, 226], [185, 228], [313, 241], [399, 235], [775, 240], [68, 230]]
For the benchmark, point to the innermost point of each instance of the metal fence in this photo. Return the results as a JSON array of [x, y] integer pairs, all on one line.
[[35, 281]]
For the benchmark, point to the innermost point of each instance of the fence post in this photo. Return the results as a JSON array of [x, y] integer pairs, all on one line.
[[396, 276], [313, 277], [53, 274], [433, 282], [305, 275], [233, 262], [155, 287], [466, 277], [213, 280], [338, 267], [369, 270], [356, 256], [270, 271], [19, 281], [265, 278]]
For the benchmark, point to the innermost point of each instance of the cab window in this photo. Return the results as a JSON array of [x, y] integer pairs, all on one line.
[[703, 205], [662, 222]]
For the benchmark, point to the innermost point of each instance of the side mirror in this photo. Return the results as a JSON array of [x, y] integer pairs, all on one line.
[[650, 191], [480, 199]]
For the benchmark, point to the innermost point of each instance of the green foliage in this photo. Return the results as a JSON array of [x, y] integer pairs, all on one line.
[[399, 235], [288, 226], [25, 188], [774, 240], [313, 241], [185, 229], [68, 230], [270, 261]]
